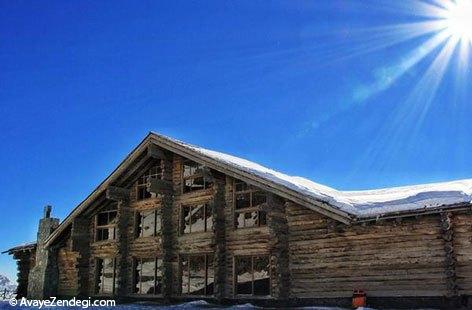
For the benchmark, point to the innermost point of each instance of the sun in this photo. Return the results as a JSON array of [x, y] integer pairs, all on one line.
[[458, 19]]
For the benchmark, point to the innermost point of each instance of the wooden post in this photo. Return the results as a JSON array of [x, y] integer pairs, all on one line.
[[219, 237], [447, 227], [163, 188], [279, 247], [121, 196], [80, 237]]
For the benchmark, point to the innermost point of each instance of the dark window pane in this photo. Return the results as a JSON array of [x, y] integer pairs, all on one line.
[[262, 218], [138, 225], [261, 276], [244, 275], [243, 200], [210, 275], [99, 275], [103, 234], [258, 198], [241, 186], [102, 219], [136, 276], [208, 183], [112, 217], [197, 275], [159, 277], [143, 193], [185, 221], [198, 218], [185, 275]]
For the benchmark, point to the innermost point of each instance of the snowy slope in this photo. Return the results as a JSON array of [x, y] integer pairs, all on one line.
[[368, 203]]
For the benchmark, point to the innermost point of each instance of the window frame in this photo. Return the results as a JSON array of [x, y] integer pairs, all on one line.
[[135, 279], [235, 275], [182, 219], [139, 219], [110, 209], [142, 181], [189, 257], [99, 278], [250, 190], [193, 176]]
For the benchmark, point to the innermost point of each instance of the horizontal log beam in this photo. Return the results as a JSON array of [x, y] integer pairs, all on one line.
[[159, 186], [117, 193]]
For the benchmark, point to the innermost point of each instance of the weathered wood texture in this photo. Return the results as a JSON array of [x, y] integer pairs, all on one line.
[[25, 261], [463, 251], [68, 271], [195, 243], [80, 244], [243, 241], [219, 236], [279, 247], [385, 259]]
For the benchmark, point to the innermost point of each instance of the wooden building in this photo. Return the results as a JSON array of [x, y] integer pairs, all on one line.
[[174, 221]]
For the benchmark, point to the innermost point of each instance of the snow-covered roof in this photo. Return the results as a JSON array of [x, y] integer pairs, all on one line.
[[362, 204], [21, 247], [344, 206]]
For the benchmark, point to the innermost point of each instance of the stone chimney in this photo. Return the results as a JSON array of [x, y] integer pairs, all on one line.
[[43, 278]]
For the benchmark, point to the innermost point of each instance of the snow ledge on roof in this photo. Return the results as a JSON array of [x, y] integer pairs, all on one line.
[[362, 204]]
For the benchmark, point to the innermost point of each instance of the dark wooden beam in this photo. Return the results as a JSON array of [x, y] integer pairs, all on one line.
[[156, 152], [117, 193], [159, 186], [279, 246]]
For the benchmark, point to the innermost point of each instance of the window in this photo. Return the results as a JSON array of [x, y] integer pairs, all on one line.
[[196, 218], [197, 274], [252, 275], [246, 206], [105, 223], [148, 223], [105, 276], [141, 186], [193, 177], [147, 276]]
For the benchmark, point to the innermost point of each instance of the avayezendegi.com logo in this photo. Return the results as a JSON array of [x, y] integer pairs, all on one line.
[[54, 302]]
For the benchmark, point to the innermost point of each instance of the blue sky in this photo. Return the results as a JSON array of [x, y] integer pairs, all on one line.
[[311, 88]]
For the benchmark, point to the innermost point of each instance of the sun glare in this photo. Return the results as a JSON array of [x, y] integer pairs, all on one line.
[[459, 19]]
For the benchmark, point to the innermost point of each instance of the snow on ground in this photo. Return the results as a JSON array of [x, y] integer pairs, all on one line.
[[199, 304], [367, 203]]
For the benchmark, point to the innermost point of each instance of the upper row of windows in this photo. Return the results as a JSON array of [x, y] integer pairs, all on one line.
[[193, 178], [193, 218]]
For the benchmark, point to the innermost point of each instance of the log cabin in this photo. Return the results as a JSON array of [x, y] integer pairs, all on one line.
[[176, 222]]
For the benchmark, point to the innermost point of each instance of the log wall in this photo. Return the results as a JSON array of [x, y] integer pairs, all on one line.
[[462, 226], [25, 261], [242, 241], [68, 271], [388, 258]]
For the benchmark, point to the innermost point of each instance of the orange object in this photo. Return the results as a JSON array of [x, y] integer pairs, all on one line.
[[359, 299]]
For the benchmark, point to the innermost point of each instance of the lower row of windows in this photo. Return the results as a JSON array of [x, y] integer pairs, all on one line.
[[251, 275]]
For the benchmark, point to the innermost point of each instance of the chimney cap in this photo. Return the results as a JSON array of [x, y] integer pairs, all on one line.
[[47, 211]]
